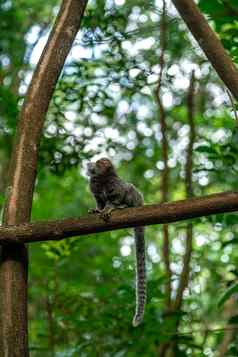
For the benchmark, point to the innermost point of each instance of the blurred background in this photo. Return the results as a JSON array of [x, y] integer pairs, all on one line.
[[137, 89]]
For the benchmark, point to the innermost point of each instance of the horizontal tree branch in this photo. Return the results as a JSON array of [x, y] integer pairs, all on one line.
[[125, 218]]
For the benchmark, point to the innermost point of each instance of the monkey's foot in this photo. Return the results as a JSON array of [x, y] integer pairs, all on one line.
[[106, 213], [93, 210]]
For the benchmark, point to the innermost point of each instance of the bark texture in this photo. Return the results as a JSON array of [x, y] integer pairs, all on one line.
[[122, 218], [209, 43], [14, 257]]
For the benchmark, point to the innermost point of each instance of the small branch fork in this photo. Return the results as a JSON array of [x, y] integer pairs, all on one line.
[[122, 218]]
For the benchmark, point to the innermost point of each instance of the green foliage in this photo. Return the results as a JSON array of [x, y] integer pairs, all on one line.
[[81, 296]]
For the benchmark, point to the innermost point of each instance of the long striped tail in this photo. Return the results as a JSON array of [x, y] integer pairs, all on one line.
[[140, 276]]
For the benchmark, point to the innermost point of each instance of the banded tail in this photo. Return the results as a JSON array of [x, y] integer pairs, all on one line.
[[140, 276]]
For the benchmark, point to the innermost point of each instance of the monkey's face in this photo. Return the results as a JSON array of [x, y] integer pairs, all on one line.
[[102, 167]]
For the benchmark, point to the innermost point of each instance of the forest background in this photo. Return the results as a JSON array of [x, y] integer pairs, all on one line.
[[137, 88]]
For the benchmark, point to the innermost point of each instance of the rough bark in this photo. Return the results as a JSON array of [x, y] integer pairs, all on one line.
[[14, 257], [209, 43], [122, 218]]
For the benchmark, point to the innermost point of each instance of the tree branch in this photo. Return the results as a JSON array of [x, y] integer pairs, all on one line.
[[164, 186], [209, 43], [184, 277], [122, 218], [14, 257]]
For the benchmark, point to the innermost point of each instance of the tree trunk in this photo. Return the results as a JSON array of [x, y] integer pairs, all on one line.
[[14, 257]]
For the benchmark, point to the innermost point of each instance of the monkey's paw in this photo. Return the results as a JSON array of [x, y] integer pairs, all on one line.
[[106, 213], [93, 210]]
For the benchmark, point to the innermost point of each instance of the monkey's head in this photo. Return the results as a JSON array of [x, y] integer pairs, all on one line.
[[101, 168]]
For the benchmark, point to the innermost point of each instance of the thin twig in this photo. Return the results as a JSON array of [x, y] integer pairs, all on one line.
[[183, 282], [164, 143]]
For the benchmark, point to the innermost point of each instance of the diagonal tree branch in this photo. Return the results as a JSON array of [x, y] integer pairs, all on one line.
[[209, 43], [14, 257], [124, 218]]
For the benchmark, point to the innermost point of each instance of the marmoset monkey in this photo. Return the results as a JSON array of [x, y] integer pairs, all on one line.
[[111, 192]]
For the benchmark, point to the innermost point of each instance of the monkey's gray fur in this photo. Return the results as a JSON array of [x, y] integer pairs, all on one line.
[[111, 192]]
